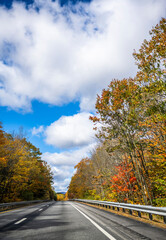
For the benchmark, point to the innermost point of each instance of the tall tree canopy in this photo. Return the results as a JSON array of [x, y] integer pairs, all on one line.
[[132, 117], [23, 174]]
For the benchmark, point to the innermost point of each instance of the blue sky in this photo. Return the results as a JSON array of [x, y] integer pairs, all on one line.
[[8, 3], [41, 114], [55, 57]]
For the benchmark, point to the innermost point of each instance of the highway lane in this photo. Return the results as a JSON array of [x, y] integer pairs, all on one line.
[[12, 215], [72, 221]]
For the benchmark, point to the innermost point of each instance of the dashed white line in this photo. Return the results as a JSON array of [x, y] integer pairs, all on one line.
[[40, 209], [23, 219], [95, 224]]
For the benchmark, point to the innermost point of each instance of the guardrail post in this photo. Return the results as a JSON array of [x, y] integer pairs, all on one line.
[[150, 216], [123, 210], [113, 208], [139, 214], [130, 211], [164, 218], [118, 209]]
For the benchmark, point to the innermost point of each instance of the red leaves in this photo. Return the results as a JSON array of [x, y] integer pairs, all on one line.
[[124, 180], [132, 179]]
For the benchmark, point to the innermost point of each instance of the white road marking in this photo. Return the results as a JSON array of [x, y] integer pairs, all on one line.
[[96, 225], [40, 209], [23, 219]]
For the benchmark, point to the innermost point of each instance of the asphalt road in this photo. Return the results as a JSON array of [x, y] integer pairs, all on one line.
[[72, 221]]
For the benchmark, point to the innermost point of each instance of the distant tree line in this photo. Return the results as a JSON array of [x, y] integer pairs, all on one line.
[[23, 174], [130, 163]]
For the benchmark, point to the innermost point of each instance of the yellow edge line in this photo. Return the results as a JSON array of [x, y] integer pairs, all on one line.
[[16, 208], [7, 211]]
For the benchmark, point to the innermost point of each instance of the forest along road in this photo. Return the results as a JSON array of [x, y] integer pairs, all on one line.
[[72, 221]]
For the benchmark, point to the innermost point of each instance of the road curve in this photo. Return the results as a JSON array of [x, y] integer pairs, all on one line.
[[72, 221]]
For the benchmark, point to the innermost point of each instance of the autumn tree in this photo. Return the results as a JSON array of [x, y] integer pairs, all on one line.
[[23, 174], [130, 163], [81, 182], [151, 61], [133, 110]]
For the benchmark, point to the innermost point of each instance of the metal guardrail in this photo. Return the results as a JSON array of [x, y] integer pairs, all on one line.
[[161, 211], [5, 206]]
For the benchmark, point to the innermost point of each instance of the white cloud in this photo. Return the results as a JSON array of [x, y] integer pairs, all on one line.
[[68, 158], [62, 164], [47, 58], [61, 173], [74, 132], [61, 186], [71, 131], [37, 131]]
